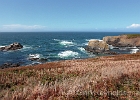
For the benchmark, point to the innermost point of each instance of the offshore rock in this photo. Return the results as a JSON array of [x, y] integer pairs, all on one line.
[[9, 65], [97, 46], [37, 57], [13, 46]]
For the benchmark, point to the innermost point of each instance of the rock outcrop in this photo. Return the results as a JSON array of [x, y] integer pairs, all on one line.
[[13, 46], [122, 41], [9, 65], [37, 57], [97, 46]]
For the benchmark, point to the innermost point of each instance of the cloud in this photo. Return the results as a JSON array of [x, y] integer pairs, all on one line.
[[17, 27], [134, 26]]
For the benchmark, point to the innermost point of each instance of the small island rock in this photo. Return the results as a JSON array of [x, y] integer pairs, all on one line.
[[13, 46], [97, 46]]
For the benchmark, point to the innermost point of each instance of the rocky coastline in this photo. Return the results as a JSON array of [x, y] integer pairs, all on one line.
[[121, 41], [94, 46]]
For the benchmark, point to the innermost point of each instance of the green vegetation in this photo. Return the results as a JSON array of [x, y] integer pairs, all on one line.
[[129, 36]]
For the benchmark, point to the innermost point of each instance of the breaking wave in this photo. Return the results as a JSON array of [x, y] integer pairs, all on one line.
[[134, 50], [26, 48], [81, 49], [35, 56], [67, 54], [64, 42]]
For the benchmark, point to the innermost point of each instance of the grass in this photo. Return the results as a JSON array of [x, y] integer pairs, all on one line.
[[129, 36], [102, 78]]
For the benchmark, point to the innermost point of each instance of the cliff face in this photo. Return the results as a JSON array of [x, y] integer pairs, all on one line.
[[96, 44], [122, 41], [96, 47]]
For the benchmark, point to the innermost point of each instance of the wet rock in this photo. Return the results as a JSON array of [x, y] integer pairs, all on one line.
[[9, 65], [37, 57], [13, 46]]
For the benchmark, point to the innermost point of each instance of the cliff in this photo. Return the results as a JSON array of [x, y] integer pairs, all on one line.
[[130, 40]]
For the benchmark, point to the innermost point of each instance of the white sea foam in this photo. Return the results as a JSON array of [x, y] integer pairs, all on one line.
[[56, 40], [2, 46], [92, 55], [81, 49], [35, 56], [86, 43], [36, 63], [111, 47], [66, 54], [134, 50], [64, 42], [26, 47], [87, 39], [93, 39]]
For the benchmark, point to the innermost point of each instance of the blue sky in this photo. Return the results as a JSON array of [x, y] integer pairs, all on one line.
[[69, 15]]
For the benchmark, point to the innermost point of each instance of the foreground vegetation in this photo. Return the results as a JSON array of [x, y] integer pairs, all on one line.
[[101, 78]]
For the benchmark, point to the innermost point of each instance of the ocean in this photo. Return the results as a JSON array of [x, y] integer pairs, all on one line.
[[49, 46]]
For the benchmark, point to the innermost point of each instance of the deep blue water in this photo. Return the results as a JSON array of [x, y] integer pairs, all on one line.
[[53, 46]]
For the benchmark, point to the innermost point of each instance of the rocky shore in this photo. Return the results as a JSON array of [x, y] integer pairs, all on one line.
[[130, 41], [122, 41], [102, 47]]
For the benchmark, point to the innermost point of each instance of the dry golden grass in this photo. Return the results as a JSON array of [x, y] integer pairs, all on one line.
[[101, 78]]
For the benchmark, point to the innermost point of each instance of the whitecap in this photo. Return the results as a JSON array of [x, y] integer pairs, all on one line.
[[86, 43], [64, 42], [34, 55], [93, 39], [56, 40], [37, 57], [66, 54], [2, 46], [87, 39], [81, 49], [26, 47]]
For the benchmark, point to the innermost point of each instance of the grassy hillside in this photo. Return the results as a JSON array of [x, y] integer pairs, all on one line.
[[102, 78]]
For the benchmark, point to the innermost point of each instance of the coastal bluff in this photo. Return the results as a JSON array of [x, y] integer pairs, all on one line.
[[102, 46], [130, 40]]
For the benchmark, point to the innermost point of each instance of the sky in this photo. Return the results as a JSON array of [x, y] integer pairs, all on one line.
[[69, 15]]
